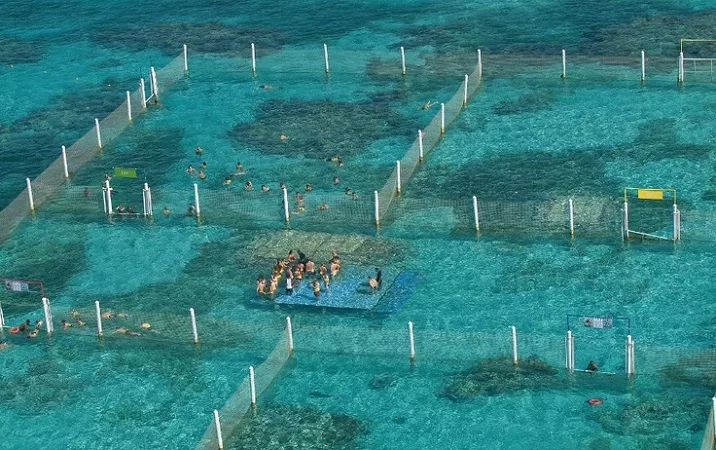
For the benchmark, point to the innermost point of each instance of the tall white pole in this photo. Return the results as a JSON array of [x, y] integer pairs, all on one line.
[[411, 337], [571, 217], [99, 134], [186, 58], [2, 319], [108, 197], [129, 106], [397, 180], [289, 331], [285, 205], [475, 213], [64, 162], [99, 318], [681, 67], [515, 359], [154, 83], [48, 317], [217, 425], [376, 202], [194, 332], [30, 198], [402, 58], [420, 145], [325, 55], [148, 209], [479, 63], [676, 223], [567, 352], [197, 207], [564, 64], [252, 386], [442, 118], [143, 93], [464, 95], [626, 218], [253, 58], [643, 66]]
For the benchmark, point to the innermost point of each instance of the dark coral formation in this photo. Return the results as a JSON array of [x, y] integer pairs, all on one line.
[[17, 51]]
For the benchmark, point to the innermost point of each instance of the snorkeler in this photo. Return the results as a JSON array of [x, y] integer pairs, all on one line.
[[355, 195], [227, 180], [348, 191], [123, 330], [249, 186], [202, 175], [309, 188], [323, 207], [198, 150], [265, 188], [427, 105], [190, 169], [166, 211]]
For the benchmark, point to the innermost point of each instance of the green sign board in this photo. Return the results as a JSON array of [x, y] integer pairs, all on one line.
[[124, 172]]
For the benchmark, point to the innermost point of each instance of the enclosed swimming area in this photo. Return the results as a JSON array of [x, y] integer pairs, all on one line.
[[357, 225]]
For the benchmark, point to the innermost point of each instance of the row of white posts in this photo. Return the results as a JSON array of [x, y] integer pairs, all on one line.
[[629, 366], [47, 311], [146, 199], [643, 66]]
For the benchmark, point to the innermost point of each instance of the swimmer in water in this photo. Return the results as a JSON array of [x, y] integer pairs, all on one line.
[[126, 331], [38, 325], [4, 345], [74, 313], [191, 211], [323, 207], [310, 267], [592, 367], [202, 175], [227, 180], [316, 289], [347, 191], [107, 315], [32, 334], [427, 105], [335, 267], [249, 186], [79, 321], [266, 87], [291, 256], [336, 180], [372, 283], [309, 188], [282, 185], [198, 150], [65, 324], [273, 285], [239, 169], [283, 137], [326, 282], [203, 164], [166, 211], [265, 188], [260, 285], [322, 270], [355, 195], [190, 169]]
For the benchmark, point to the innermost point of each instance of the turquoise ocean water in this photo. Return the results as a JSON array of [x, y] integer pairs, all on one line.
[[526, 137]]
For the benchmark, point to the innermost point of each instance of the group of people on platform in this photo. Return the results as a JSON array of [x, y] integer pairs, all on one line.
[[295, 270]]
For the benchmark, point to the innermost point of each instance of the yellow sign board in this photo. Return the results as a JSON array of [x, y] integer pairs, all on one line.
[[650, 194]]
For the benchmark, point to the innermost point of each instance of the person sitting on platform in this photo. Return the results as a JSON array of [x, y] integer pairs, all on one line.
[[310, 267], [316, 288], [372, 283]]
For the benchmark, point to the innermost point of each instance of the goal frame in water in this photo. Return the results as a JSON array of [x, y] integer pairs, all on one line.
[[655, 204], [692, 61]]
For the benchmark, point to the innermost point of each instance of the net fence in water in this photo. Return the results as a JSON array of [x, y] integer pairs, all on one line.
[[84, 149], [239, 403]]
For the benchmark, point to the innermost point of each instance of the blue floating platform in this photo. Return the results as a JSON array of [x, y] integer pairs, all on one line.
[[349, 290]]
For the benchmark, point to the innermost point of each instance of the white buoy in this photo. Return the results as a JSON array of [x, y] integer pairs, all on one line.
[[464, 95], [48, 315], [402, 58], [253, 58], [564, 64], [643, 65], [412, 341], [515, 360], [626, 218], [99, 134], [147, 200], [325, 55], [217, 426], [286, 215], [129, 106], [143, 93], [99, 318], [479, 63], [442, 118], [376, 202], [397, 180], [197, 207], [30, 198], [289, 331], [186, 58], [475, 213], [154, 84], [64, 163], [194, 333], [108, 197], [252, 386], [420, 145], [571, 217]]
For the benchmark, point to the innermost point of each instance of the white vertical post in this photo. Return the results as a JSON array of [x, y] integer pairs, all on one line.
[[253, 58], [626, 218], [154, 83], [475, 213], [678, 228], [479, 63], [108, 197], [464, 95], [411, 336], [515, 360], [64, 162], [147, 197], [632, 365], [681, 67], [197, 207], [143, 93], [570, 351], [285, 205], [194, 333], [676, 223], [420, 145], [129, 106], [48, 315], [217, 425], [402, 58], [99, 134], [29, 194], [252, 386], [442, 118], [564, 64], [325, 55], [289, 331], [99, 318], [571, 217], [397, 180], [376, 201], [186, 58], [2, 319], [713, 405], [643, 66]]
